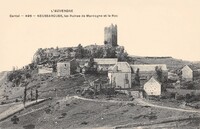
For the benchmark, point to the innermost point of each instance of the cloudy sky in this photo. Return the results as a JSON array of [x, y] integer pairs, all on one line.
[[145, 27]]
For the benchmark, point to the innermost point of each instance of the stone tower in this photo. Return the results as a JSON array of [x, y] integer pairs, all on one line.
[[110, 35]]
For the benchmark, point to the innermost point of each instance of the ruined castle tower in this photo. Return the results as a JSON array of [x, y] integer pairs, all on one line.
[[110, 35]]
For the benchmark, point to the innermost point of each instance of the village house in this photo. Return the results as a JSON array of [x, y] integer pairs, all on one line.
[[152, 87], [190, 73], [146, 71], [103, 64], [120, 75], [66, 68]]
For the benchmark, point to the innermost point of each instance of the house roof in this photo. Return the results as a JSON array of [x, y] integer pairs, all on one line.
[[148, 67], [121, 66], [153, 80], [102, 61], [67, 61]]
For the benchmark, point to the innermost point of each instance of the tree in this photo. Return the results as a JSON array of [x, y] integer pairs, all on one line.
[[25, 92], [79, 51], [86, 53], [15, 119], [159, 73], [98, 52], [122, 56], [32, 66], [137, 77], [36, 95], [110, 53], [28, 75], [57, 48], [31, 94]]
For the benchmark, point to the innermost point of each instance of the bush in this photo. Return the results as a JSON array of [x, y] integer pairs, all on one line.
[[2, 103], [180, 97]]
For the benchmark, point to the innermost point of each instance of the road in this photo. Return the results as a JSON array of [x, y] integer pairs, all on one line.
[[145, 103], [138, 102], [16, 108]]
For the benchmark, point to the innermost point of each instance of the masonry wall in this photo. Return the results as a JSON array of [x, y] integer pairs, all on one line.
[[152, 88], [187, 74], [45, 70], [110, 35], [63, 69]]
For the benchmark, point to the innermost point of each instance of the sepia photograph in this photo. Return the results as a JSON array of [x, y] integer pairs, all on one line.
[[74, 64]]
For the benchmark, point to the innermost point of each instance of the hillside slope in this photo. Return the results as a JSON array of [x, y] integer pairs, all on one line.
[[171, 63]]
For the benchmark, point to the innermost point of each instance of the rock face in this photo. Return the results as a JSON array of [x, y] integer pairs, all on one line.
[[110, 35]]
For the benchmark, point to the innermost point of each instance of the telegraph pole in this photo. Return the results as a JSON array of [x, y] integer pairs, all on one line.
[[36, 95], [31, 94]]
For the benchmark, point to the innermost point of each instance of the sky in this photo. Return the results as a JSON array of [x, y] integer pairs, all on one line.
[[145, 27]]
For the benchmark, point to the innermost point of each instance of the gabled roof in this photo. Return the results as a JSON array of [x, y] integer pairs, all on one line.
[[66, 61], [121, 67], [102, 61], [153, 80], [148, 67]]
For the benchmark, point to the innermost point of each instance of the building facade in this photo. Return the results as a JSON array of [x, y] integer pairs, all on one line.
[[152, 87], [187, 73], [66, 68], [120, 75]]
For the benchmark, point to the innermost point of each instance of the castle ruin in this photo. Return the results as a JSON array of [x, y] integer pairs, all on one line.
[[110, 35]]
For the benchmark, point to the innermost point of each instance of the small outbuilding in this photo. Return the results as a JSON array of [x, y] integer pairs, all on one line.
[[190, 73], [152, 87]]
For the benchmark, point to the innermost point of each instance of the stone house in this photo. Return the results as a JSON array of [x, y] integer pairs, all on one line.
[[190, 73], [152, 87], [103, 64], [120, 75], [66, 68]]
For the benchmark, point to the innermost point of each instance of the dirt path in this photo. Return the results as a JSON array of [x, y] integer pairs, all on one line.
[[139, 102], [16, 108], [145, 103]]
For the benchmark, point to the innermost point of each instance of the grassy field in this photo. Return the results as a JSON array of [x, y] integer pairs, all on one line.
[[63, 113]]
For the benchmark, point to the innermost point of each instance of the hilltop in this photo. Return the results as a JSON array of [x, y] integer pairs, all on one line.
[[60, 112], [50, 56]]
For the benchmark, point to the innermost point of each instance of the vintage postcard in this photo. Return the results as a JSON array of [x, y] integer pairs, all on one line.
[[74, 64]]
